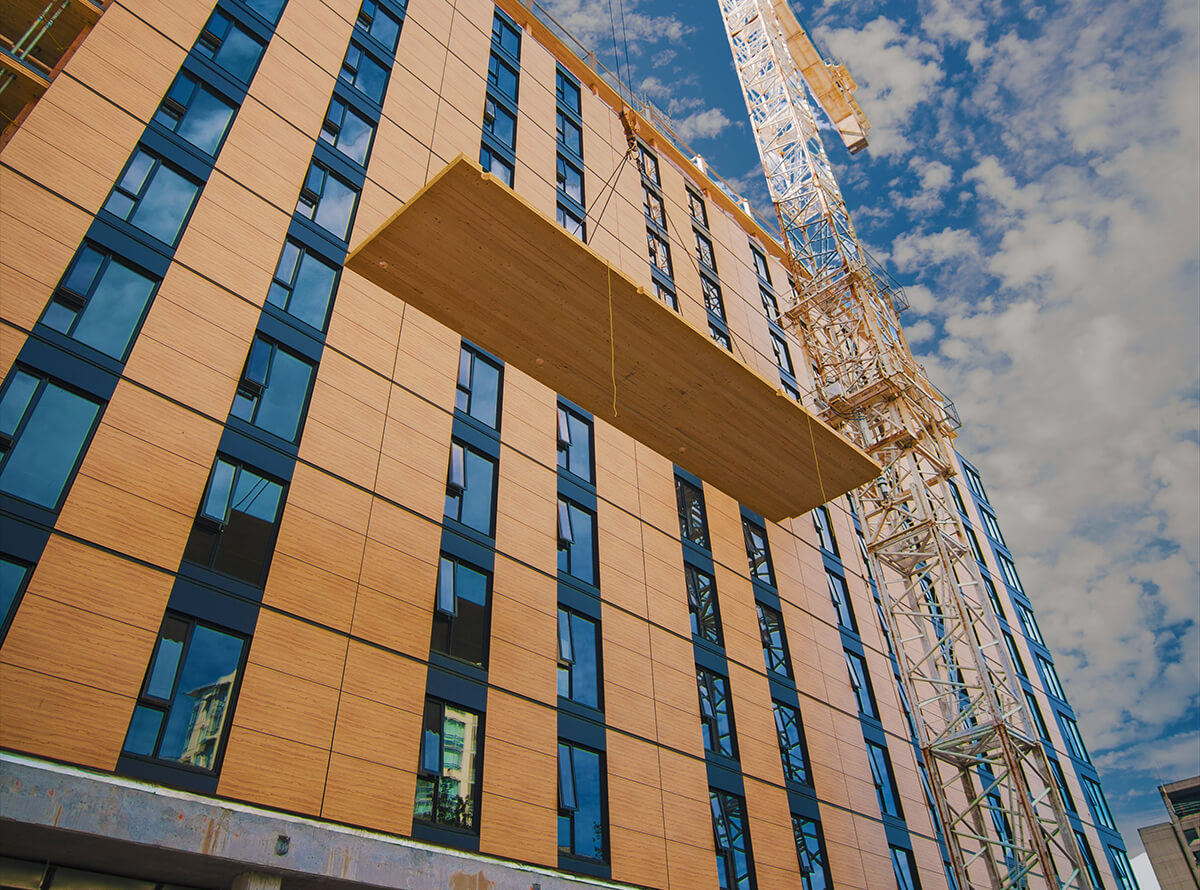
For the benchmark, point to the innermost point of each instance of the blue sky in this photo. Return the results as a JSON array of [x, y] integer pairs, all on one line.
[[1033, 181]]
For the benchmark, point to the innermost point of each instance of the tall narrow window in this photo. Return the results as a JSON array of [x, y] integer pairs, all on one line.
[[364, 72], [660, 252], [460, 617], [230, 46], [905, 869], [1014, 654], [1095, 795], [957, 496], [1050, 677], [495, 163], [1060, 781], [478, 393], [1029, 624], [574, 443], [153, 195], [974, 483], [824, 526], [448, 775], [505, 36], [348, 131], [713, 301], [973, 540], [696, 208], [693, 522], [760, 264], [1073, 737], [648, 164], [303, 284], [716, 714], [653, 206], [1009, 571], [758, 553], [702, 604], [569, 133], [582, 826], [184, 708], [885, 781], [570, 180], [840, 594], [992, 527], [375, 20], [499, 123], [1123, 868], [735, 870], [578, 658], [860, 683], [770, 304], [810, 851], [704, 251], [576, 541], [1039, 722], [274, 389], [774, 641], [783, 358], [328, 200], [471, 488], [43, 429], [196, 113], [1089, 860], [992, 596], [791, 743]]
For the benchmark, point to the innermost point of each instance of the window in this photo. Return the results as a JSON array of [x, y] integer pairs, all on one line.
[[478, 394], [974, 542], [769, 303], [774, 641], [348, 131], [783, 358], [992, 596], [824, 526], [810, 851], [571, 221], [574, 443], [1029, 624], [905, 868], [760, 264], [720, 336], [196, 113], [471, 488], [693, 523], [582, 826], [696, 208], [704, 251], [713, 301], [496, 164], [665, 294], [840, 594], [230, 46], [1060, 780], [43, 430], [860, 682], [379, 23], [578, 659], [100, 302], [183, 708], [154, 196], [648, 164], [576, 541], [652, 205], [974, 483], [791, 743], [234, 531], [716, 716], [1015, 654], [702, 604], [1095, 795], [1122, 868], [758, 553], [566, 91], [862, 551], [448, 782], [570, 180], [13, 575], [502, 77], [328, 200], [1073, 737], [274, 389], [1009, 571], [885, 782], [1089, 861], [268, 9], [460, 617], [1039, 722], [364, 73], [1050, 677], [660, 253], [992, 527], [957, 495], [506, 36], [499, 123], [569, 135], [303, 285], [735, 870]]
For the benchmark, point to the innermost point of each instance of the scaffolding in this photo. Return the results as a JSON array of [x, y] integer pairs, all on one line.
[[1003, 819]]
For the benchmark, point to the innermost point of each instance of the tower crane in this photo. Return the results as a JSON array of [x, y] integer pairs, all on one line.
[[1001, 813]]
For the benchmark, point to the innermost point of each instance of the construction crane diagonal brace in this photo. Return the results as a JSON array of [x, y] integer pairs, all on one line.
[[1001, 815]]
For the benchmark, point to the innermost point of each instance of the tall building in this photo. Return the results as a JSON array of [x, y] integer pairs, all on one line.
[[531, 569], [1174, 846]]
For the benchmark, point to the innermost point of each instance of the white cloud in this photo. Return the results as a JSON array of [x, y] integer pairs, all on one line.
[[702, 125]]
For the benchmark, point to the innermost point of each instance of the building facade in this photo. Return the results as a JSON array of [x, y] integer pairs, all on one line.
[[1174, 847], [300, 584]]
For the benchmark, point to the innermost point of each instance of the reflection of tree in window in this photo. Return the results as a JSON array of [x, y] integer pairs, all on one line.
[[810, 850], [448, 772], [774, 641], [702, 604], [716, 717], [734, 868]]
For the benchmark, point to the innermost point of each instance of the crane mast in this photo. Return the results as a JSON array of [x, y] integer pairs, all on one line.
[[1001, 814]]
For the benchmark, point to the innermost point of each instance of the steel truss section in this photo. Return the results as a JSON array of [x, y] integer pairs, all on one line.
[[1002, 816]]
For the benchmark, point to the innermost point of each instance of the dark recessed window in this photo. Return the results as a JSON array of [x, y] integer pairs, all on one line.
[[328, 200], [840, 594], [576, 541], [196, 112], [720, 336], [582, 827], [704, 251], [648, 164], [860, 682], [448, 776], [660, 252], [810, 851], [702, 604], [713, 300], [348, 131], [496, 164], [570, 136], [578, 658], [693, 522], [43, 428], [230, 46], [957, 496], [760, 264], [716, 713], [884, 780], [379, 23], [735, 871], [774, 641], [696, 208], [783, 358], [478, 392], [460, 618], [665, 294], [234, 531], [364, 73], [905, 869], [101, 301], [574, 443], [824, 526], [153, 195], [471, 488], [758, 553], [184, 710], [13, 576], [274, 389], [499, 122], [303, 285], [791, 743]]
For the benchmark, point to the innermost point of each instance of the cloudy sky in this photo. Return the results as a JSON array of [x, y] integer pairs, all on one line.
[[1033, 180]]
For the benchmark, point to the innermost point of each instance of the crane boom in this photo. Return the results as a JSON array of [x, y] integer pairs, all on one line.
[[1001, 814]]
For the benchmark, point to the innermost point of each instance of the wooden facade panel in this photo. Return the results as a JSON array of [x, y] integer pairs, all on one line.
[[526, 507], [287, 80], [368, 794], [365, 324], [464, 81], [86, 725], [725, 530], [267, 153], [179, 22], [769, 816], [656, 490], [397, 528], [330, 447], [530, 419], [522, 722], [146, 470], [637, 857], [739, 618], [520, 778], [385, 677], [754, 719], [400, 624], [320, 31], [398, 158], [428, 361], [685, 793], [320, 542], [152, 418], [517, 829], [113, 518], [78, 646], [616, 466], [287, 706], [294, 782], [520, 773], [411, 100], [304, 650], [376, 204], [678, 728], [629, 710], [524, 631], [309, 591], [666, 586], [406, 576], [690, 866], [333, 498], [373, 731], [455, 134]]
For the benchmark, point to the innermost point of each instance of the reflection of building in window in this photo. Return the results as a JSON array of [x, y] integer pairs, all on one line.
[[208, 719], [448, 775]]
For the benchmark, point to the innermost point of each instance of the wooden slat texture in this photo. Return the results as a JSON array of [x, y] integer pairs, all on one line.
[[361, 792], [526, 290], [295, 780], [524, 637]]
